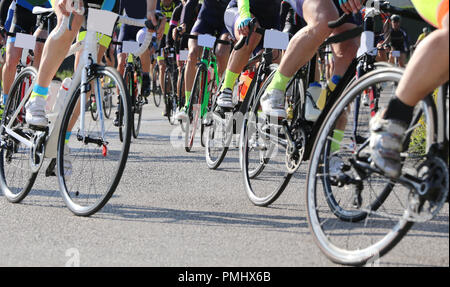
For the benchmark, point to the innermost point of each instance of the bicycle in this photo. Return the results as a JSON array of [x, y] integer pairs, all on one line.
[[280, 149], [222, 124], [24, 148], [370, 211], [107, 97], [206, 83], [170, 84], [380, 210], [133, 80]]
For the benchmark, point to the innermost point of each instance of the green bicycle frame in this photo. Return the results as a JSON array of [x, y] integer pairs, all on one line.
[[208, 60]]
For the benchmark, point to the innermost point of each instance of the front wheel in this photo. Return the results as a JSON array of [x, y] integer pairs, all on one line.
[[356, 215], [90, 162]]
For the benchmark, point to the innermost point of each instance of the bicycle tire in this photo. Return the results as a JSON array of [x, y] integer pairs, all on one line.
[[253, 174], [16, 92], [358, 255]]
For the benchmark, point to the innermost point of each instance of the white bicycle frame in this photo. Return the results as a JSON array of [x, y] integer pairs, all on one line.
[[80, 79]]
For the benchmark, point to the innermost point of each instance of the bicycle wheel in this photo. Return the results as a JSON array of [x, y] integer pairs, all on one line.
[[90, 165], [263, 155], [195, 107], [16, 176], [335, 211], [171, 98], [218, 134], [156, 87]]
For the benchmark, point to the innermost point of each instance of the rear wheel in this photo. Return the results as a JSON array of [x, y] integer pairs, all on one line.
[[171, 98], [194, 109], [156, 87], [16, 176], [263, 155]]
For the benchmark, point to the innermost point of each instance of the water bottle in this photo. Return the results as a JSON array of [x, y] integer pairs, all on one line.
[[244, 83], [52, 95], [61, 99]]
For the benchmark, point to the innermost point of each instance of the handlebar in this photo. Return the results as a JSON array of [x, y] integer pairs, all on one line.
[[66, 25], [245, 40]]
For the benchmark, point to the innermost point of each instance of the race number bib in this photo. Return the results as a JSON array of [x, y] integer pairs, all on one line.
[[130, 47], [274, 39], [101, 21], [206, 40], [25, 41]]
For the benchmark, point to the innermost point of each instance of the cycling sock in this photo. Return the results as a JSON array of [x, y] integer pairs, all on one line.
[[279, 82], [4, 99], [397, 110], [68, 134], [338, 136], [230, 80], [331, 86], [39, 91], [187, 95]]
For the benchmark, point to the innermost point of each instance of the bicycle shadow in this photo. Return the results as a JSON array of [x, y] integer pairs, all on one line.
[[205, 218]]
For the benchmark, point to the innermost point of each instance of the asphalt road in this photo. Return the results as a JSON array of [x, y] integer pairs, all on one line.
[[171, 210]]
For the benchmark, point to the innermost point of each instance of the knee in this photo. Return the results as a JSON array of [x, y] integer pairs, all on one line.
[[193, 54]]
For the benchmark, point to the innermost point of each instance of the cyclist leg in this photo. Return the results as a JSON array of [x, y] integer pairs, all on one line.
[[267, 16], [389, 126], [23, 22], [317, 14], [55, 51]]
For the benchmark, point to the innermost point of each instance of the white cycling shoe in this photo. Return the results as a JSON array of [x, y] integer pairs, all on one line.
[[272, 104], [225, 99], [181, 114], [35, 112]]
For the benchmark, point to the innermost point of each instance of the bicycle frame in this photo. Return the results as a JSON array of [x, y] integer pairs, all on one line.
[[208, 60], [89, 46]]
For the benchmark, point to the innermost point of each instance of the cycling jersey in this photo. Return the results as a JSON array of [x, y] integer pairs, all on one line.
[[7, 9], [399, 40], [168, 11], [174, 21], [30, 4], [433, 11], [210, 18]]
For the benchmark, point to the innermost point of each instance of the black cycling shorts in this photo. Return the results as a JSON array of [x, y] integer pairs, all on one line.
[[210, 19], [267, 12]]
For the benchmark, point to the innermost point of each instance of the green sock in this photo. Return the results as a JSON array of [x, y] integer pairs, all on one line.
[[230, 80], [279, 82], [338, 136], [187, 95]]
